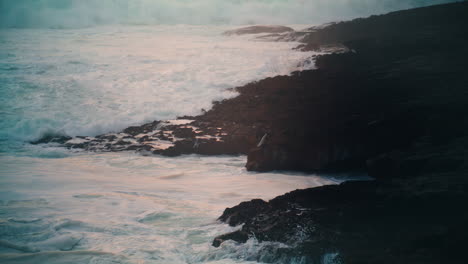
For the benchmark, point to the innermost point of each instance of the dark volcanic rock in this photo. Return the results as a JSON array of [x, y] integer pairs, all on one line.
[[244, 211], [363, 221], [107, 137], [51, 138], [238, 236], [398, 86], [135, 130], [394, 106], [389, 93], [183, 132]]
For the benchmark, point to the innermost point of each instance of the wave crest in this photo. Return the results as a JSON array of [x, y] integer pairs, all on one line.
[[85, 13]]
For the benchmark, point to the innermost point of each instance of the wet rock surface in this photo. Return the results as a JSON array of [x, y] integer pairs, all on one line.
[[394, 106], [169, 138], [365, 222]]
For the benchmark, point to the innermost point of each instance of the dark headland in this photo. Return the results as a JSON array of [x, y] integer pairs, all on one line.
[[393, 103]]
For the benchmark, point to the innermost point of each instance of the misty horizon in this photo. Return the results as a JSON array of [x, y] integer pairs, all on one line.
[[78, 14]]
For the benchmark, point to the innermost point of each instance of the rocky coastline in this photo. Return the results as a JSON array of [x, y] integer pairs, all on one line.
[[393, 106], [391, 102]]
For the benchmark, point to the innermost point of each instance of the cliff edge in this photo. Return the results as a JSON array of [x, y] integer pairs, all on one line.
[[395, 106]]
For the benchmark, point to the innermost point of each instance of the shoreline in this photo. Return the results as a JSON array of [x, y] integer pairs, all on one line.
[[392, 104]]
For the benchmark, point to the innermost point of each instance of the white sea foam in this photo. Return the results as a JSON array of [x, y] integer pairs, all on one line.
[[97, 80], [125, 208], [79, 13], [128, 208]]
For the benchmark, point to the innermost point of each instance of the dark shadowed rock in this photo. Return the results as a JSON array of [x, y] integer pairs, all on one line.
[[107, 137], [135, 130], [238, 236], [242, 212], [362, 221], [183, 132], [51, 138], [392, 106]]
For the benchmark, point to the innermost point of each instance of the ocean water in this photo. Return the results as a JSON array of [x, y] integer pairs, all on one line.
[[85, 13], [95, 80], [126, 208], [63, 206]]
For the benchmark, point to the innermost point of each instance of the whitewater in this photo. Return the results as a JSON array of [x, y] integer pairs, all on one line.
[[69, 206], [126, 208], [83, 68], [87, 67], [95, 80]]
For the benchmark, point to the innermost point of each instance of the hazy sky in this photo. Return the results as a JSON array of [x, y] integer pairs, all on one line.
[[83, 13]]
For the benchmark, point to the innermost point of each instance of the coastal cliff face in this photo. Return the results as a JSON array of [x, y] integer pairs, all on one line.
[[401, 82], [394, 106]]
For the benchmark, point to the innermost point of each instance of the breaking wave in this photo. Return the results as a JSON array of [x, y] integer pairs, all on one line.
[[85, 13], [102, 79]]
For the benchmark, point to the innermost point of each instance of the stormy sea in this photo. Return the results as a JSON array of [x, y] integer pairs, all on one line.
[[85, 68]]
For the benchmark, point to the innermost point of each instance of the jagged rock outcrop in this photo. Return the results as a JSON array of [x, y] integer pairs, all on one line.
[[401, 83], [169, 138], [394, 106], [364, 222]]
